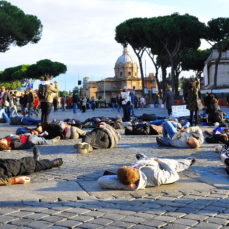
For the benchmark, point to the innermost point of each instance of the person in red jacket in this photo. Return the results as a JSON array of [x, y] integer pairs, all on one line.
[[36, 105]]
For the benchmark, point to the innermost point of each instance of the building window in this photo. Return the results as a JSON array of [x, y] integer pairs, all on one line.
[[120, 74], [129, 73]]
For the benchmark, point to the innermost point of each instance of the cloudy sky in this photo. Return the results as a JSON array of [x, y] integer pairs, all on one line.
[[80, 33]]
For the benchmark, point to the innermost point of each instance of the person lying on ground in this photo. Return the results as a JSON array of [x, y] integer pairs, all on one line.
[[50, 130], [74, 122], [11, 170], [145, 172], [93, 122], [218, 135], [224, 155], [102, 137], [143, 129], [24, 141], [176, 136], [28, 121]]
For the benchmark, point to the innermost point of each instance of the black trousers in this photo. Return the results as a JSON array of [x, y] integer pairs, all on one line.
[[98, 139], [45, 111], [196, 117], [55, 104], [23, 166]]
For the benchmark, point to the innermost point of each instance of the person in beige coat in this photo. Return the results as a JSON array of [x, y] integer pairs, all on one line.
[[45, 93]]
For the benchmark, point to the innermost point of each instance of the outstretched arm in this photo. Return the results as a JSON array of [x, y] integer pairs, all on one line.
[[15, 180]]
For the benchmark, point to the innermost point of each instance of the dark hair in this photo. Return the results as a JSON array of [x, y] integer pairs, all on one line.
[[47, 77]]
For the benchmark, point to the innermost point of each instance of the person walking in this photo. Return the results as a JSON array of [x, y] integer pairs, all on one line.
[[169, 100], [30, 101], [45, 94], [75, 100]]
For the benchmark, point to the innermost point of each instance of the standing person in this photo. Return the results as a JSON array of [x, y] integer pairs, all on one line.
[[45, 94], [193, 100], [142, 102], [84, 104], [93, 103], [36, 104], [56, 97], [75, 100], [63, 100], [133, 101], [5, 101], [113, 102], [169, 100], [126, 104], [119, 102], [30, 101]]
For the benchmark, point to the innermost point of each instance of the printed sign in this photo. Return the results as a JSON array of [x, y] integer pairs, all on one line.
[[180, 110]]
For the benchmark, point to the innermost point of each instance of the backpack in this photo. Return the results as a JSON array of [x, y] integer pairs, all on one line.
[[42, 92]]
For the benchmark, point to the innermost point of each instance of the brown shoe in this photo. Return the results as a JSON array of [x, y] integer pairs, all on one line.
[[83, 148]]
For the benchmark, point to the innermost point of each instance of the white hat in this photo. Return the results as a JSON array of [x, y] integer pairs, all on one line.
[[125, 87]]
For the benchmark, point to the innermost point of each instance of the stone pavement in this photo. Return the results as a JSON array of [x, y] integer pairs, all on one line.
[[69, 197]]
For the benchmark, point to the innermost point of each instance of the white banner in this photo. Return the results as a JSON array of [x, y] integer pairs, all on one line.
[[180, 110]]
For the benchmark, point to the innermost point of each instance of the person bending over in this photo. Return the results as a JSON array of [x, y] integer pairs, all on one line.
[[24, 141], [177, 136], [145, 172], [12, 169], [102, 137]]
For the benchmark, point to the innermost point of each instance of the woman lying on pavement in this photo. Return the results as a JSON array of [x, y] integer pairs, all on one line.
[[145, 172], [12, 169], [53, 129], [218, 135], [24, 141], [102, 137]]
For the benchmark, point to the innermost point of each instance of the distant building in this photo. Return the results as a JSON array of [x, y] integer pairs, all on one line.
[[126, 75], [223, 70]]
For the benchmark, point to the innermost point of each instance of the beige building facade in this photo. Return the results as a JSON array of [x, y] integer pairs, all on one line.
[[126, 76]]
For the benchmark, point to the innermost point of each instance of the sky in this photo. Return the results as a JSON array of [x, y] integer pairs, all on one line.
[[80, 33]]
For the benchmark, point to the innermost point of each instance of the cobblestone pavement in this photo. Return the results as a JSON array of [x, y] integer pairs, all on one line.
[[69, 197]]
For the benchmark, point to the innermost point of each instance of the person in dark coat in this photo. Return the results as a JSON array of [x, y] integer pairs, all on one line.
[[11, 170], [169, 100], [193, 101]]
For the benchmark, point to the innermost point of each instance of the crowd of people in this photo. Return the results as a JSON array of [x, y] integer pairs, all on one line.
[[105, 134]]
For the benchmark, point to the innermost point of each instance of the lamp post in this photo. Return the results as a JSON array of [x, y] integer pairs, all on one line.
[[104, 89]]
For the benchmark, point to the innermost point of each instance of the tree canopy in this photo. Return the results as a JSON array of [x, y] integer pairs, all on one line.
[[16, 27], [34, 71]]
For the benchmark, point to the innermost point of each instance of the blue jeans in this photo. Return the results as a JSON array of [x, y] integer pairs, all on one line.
[[4, 116], [119, 107], [169, 129], [29, 121], [74, 107]]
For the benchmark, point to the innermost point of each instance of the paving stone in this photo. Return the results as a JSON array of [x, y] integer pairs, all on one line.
[[122, 224], [22, 222], [82, 218], [154, 223], [113, 216], [95, 214], [218, 220], [142, 227], [68, 223], [196, 217], [90, 226], [188, 222], [7, 219], [36, 216], [165, 218], [204, 225], [79, 210], [7, 226], [39, 224], [101, 221], [176, 226], [53, 219], [20, 214]]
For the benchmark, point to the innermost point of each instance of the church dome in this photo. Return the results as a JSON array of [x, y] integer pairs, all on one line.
[[125, 66], [125, 58]]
